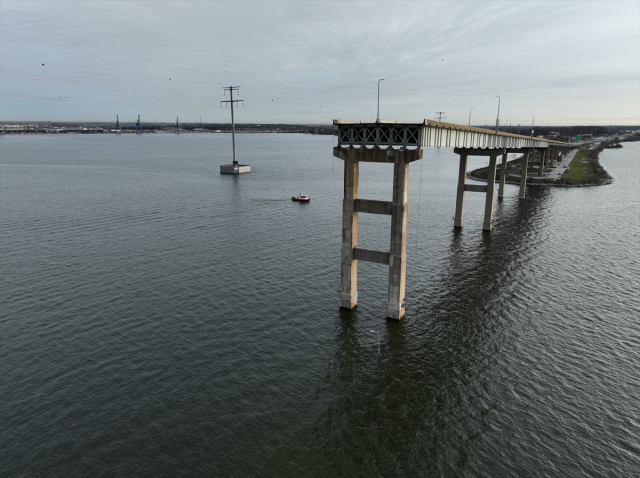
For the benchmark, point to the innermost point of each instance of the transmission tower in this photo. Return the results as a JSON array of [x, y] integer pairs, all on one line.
[[138, 126], [231, 101], [176, 128], [441, 115], [118, 130]]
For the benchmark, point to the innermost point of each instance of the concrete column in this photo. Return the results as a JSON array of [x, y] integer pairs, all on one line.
[[398, 248], [523, 175], [503, 174], [349, 266], [491, 190], [543, 155], [462, 177]]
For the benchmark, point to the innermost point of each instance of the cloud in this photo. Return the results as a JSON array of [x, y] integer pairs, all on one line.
[[557, 60]]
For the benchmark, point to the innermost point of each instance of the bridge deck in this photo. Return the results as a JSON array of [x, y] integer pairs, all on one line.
[[435, 134]]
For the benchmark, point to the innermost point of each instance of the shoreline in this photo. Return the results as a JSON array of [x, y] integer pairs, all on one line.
[[536, 181], [581, 159]]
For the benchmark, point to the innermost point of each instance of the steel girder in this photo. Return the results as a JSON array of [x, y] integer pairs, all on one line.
[[434, 134]]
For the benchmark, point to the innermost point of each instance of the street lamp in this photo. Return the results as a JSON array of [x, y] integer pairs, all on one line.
[[498, 117], [470, 116], [532, 122], [374, 332], [378, 115]]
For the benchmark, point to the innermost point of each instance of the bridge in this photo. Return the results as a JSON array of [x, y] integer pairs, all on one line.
[[400, 144]]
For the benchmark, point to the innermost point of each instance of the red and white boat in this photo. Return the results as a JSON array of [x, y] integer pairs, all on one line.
[[301, 198]]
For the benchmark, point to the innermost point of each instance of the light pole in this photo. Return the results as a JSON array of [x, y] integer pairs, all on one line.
[[470, 116], [498, 117], [378, 115], [374, 332], [532, 122]]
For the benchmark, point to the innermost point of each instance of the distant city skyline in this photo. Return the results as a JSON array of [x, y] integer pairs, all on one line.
[[567, 63]]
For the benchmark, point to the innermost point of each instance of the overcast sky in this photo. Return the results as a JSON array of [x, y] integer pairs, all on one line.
[[310, 62]]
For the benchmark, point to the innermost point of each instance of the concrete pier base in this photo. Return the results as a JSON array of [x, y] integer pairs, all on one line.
[[235, 169]]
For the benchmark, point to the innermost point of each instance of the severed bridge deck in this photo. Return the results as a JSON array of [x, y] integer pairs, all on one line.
[[400, 144]]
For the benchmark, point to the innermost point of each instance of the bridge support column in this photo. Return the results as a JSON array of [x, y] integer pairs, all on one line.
[[398, 248], [491, 190], [348, 265], [503, 174], [543, 155], [523, 175], [462, 177]]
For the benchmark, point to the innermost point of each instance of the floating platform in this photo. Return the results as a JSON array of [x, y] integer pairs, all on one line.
[[235, 169]]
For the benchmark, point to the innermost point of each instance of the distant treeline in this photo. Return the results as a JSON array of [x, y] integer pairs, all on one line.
[[563, 132], [93, 128]]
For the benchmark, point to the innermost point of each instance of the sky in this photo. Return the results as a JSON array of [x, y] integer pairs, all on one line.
[[551, 62]]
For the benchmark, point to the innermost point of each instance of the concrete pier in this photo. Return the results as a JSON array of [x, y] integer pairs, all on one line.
[[235, 168], [491, 189], [523, 174], [397, 208], [398, 246], [348, 263], [503, 174], [462, 178], [488, 189]]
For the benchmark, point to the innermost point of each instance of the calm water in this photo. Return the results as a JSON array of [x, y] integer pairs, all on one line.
[[159, 319]]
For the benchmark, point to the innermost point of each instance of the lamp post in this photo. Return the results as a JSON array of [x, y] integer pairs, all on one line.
[[470, 116], [498, 117], [374, 332], [378, 114], [532, 122]]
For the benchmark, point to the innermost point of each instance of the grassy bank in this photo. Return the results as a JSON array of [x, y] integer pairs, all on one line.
[[585, 168]]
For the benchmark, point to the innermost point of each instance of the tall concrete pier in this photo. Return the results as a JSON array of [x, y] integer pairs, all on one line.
[[400, 144], [396, 257]]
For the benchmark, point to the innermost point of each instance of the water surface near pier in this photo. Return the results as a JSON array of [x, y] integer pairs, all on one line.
[[159, 319]]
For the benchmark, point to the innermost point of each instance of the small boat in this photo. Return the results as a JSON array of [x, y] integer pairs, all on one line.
[[301, 198]]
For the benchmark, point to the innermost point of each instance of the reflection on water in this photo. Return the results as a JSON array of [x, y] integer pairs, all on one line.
[[159, 318], [424, 404]]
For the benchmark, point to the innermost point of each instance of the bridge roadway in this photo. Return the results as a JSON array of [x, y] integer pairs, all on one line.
[[400, 144]]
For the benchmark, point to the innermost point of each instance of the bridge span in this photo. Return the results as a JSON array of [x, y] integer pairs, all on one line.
[[400, 144]]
